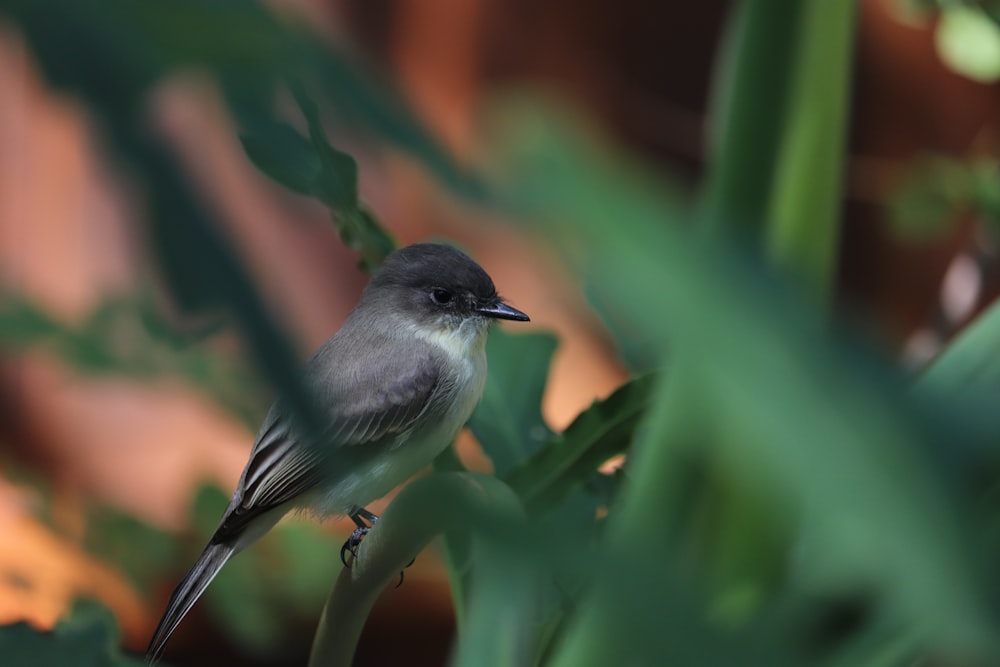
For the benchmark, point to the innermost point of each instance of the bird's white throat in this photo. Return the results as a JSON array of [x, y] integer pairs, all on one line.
[[465, 341]]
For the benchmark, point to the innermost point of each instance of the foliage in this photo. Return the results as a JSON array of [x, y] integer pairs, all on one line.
[[933, 189], [130, 336], [86, 638], [790, 496]]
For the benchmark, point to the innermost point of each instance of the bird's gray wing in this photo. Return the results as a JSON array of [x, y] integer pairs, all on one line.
[[366, 412]]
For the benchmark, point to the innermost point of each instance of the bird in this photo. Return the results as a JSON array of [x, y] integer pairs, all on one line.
[[392, 389]]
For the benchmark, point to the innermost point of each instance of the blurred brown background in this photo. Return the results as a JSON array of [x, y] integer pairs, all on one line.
[[640, 69]]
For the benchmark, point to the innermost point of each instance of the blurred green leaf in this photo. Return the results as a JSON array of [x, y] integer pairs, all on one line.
[[508, 421], [932, 191], [500, 630], [281, 153], [809, 422], [804, 223], [636, 347], [308, 565], [86, 638], [337, 185], [749, 111], [207, 507], [986, 189], [22, 323], [127, 335], [968, 370], [143, 552]]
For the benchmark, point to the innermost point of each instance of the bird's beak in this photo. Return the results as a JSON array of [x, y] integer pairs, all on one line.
[[501, 311]]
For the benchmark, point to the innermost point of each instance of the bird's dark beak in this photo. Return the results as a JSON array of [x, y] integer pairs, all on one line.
[[501, 311]]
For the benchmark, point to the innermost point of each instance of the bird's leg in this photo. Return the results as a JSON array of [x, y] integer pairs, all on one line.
[[359, 515]]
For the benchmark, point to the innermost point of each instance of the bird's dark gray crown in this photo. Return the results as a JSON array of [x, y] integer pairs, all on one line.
[[425, 265]]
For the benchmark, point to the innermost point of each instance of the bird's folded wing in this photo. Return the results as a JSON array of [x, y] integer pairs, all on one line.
[[286, 462]]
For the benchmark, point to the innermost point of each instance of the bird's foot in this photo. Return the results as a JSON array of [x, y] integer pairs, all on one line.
[[359, 515], [352, 543]]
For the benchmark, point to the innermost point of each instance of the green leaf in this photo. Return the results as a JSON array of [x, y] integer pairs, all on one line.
[[986, 189], [337, 185], [968, 370], [85, 638], [570, 460], [638, 349], [22, 323], [928, 196], [305, 564], [508, 422], [817, 428], [142, 552], [284, 155]]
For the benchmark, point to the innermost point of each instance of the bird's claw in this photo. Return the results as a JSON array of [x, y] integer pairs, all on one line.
[[359, 515], [400, 582], [352, 543]]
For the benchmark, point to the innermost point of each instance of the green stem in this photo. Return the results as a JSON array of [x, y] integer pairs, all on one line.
[[805, 209], [457, 501], [455, 548], [748, 112], [602, 634]]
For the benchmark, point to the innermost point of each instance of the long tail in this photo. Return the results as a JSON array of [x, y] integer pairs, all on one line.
[[186, 594]]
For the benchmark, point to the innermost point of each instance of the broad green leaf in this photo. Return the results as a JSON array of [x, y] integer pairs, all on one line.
[[803, 418], [284, 155], [508, 422], [141, 551], [337, 184], [306, 562], [85, 638], [969, 367], [636, 347], [570, 459], [22, 323]]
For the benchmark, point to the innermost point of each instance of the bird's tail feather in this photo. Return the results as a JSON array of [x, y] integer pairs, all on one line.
[[186, 594]]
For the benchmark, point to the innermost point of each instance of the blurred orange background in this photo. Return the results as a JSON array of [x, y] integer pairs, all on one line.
[[640, 70]]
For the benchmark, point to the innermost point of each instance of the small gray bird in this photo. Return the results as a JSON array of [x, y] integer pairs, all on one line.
[[394, 386]]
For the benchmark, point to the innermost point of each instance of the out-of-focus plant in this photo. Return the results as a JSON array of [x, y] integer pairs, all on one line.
[[933, 190], [789, 496], [129, 336], [87, 636]]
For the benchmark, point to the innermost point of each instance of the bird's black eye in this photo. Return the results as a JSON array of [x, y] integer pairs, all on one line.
[[440, 296]]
